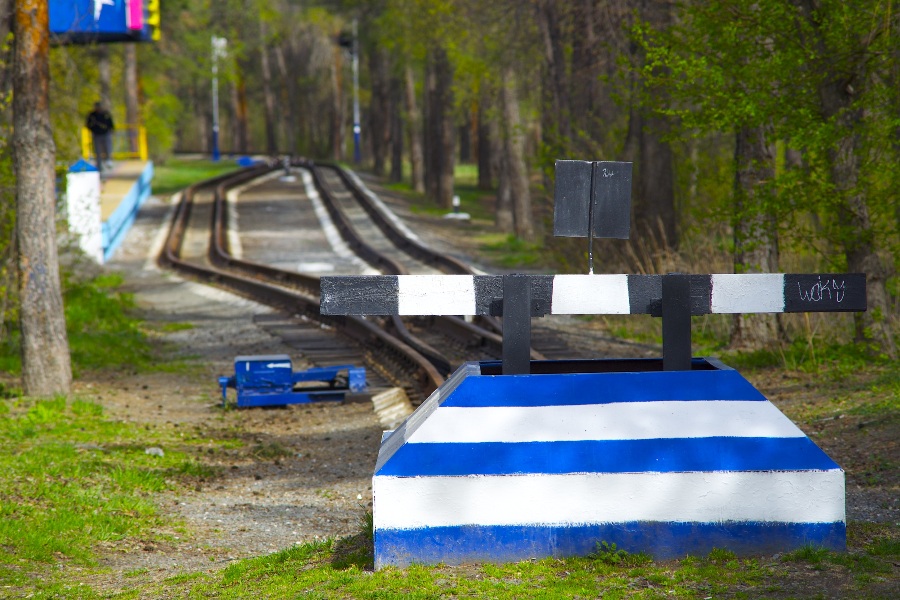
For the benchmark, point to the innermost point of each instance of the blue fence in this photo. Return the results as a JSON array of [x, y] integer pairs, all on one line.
[[118, 223]]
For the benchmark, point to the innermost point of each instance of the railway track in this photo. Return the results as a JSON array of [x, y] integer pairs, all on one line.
[[400, 352]]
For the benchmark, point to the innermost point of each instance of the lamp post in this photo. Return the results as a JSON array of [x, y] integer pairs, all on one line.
[[218, 51], [356, 127]]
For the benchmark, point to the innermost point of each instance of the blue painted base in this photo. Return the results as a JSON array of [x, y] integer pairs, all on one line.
[[257, 400], [472, 543], [500, 468]]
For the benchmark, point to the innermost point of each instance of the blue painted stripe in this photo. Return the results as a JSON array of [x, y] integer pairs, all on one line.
[[607, 456], [474, 543], [601, 388]]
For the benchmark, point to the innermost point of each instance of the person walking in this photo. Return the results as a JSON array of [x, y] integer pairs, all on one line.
[[100, 124]]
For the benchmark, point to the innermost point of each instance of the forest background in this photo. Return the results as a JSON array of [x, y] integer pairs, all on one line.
[[765, 134]]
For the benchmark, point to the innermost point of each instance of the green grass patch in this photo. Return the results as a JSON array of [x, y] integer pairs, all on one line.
[[472, 200], [103, 333], [176, 174], [173, 327], [510, 251], [101, 329], [71, 478], [318, 570]]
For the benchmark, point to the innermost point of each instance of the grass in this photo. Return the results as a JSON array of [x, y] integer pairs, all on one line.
[[103, 333], [319, 570], [176, 174], [509, 251], [101, 329], [71, 479], [477, 202]]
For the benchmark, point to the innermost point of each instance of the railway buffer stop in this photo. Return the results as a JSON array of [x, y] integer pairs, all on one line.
[[516, 459]]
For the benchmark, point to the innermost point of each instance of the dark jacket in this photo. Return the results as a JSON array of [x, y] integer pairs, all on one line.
[[99, 122]]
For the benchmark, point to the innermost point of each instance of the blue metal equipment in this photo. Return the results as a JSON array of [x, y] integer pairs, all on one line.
[[269, 380]]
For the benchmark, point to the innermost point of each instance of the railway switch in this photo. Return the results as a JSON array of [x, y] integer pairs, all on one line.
[[269, 380]]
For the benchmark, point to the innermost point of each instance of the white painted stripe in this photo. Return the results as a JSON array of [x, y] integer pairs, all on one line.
[[231, 197], [779, 496], [748, 293], [590, 295], [436, 295], [614, 421], [315, 267], [162, 234], [384, 209], [235, 248], [331, 233]]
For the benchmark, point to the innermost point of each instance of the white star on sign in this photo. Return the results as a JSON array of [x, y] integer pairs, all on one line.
[[98, 7]]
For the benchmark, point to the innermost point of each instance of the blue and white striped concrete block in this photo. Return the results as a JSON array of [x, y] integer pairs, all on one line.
[[504, 468]]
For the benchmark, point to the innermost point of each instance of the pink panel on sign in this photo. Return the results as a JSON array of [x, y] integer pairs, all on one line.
[[134, 9]]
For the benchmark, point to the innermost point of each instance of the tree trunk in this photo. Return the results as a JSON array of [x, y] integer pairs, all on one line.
[[242, 127], [132, 103], [853, 214], [416, 157], [235, 134], [430, 130], [514, 157], [655, 202], [268, 96], [46, 368], [755, 230], [439, 141], [379, 109], [396, 98], [289, 106], [464, 136], [337, 106], [504, 219], [485, 163], [555, 65], [448, 136]]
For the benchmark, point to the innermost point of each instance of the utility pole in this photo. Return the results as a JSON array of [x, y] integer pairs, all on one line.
[[356, 128], [218, 51]]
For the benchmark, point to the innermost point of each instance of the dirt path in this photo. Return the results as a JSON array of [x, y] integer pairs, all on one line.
[[302, 472]]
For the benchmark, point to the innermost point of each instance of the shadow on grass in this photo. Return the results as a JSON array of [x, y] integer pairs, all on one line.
[[356, 550]]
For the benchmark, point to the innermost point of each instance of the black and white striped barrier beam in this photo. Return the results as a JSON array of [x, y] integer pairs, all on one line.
[[517, 298]]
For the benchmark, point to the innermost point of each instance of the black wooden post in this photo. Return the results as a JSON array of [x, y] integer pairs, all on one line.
[[516, 325], [676, 322]]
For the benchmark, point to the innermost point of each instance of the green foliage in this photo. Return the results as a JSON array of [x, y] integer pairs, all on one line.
[[607, 553], [819, 83]]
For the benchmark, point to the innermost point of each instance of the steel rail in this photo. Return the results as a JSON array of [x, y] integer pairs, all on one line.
[[485, 334], [381, 347]]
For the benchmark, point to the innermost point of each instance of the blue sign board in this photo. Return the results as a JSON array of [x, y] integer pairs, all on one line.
[[99, 21]]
